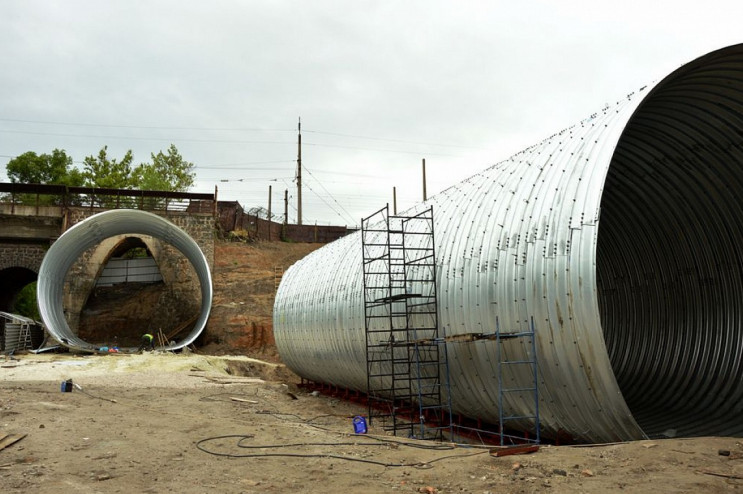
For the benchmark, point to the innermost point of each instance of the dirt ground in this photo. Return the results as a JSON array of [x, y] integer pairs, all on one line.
[[195, 424], [245, 279]]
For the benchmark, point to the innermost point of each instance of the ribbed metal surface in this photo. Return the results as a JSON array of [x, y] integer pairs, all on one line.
[[12, 336], [621, 237], [91, 231], [14, 327]]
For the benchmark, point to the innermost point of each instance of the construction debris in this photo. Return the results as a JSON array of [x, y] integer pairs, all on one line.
[[9, 439], [514, 450]]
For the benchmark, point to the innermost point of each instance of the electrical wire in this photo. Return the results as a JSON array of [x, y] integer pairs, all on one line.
[[234, 129], [139, 138], [402, 141], [363, 440], [339, 146], [80, 388], [251, 179], [200, 445], [242, 166], [416, 444], [329, 205], [348, 215], [149, 127], [323, 200]]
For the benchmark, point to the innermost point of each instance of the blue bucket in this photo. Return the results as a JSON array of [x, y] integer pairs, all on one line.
[[359, 425]]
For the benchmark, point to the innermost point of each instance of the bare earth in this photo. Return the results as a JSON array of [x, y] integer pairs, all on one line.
[[137, 423]]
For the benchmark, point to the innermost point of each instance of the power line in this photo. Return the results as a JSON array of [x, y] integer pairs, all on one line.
[[231, 129], [230, 166], [378, 150], [239, 168], [149, 127], [334, 172], [327, 191], [402, 141], [221, 141], [223, 166], [250, 179], [137, 138], [328, 204]]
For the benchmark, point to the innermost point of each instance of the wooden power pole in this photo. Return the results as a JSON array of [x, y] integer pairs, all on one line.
[[425, 196], [268, 215], [299, 172], [286, 206]]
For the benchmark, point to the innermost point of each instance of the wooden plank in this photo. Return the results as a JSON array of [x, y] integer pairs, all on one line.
[[233, 380], [242, 400], [718, 474], [9, 439], [514, 450], [180, 328]]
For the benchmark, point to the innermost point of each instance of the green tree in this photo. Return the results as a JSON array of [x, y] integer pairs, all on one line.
[[55, 168], [31, 168], [166, 172], [105, 172], [26, 304]]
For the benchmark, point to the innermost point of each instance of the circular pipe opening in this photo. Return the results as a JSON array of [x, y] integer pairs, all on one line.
[[669, 261], [91, 231]]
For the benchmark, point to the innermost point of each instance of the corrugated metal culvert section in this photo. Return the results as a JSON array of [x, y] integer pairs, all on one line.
[[621, 236], [91, 231]]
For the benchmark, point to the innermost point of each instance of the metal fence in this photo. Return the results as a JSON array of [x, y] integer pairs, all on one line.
[[40, 195]]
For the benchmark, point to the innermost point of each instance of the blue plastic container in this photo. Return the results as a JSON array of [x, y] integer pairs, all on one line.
[[359, 424]]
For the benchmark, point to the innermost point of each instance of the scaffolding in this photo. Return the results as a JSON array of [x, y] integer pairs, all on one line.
[[406, 356], [278, 273], [525, 391], [18, 332]]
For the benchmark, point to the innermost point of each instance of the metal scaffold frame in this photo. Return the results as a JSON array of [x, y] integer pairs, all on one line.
[[406, 356], [525, 391], [16, 332]]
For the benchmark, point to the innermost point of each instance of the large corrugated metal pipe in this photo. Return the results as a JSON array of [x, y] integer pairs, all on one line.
[[71, 244], [620, 236]]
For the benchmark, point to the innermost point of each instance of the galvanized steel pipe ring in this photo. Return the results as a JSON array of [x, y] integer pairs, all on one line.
[[622, 236], [92, 231]]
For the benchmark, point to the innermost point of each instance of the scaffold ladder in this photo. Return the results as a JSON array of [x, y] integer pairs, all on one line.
[[278, 273], [24, 337], [519, 390], [406, 357]]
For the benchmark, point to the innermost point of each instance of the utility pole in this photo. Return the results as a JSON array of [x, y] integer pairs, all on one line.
[[394, 201], [425, 196], [299, 172], [286, 215], [268, 216], [286, 206]]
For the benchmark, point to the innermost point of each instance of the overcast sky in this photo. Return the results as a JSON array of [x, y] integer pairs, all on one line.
[[379, 85]]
